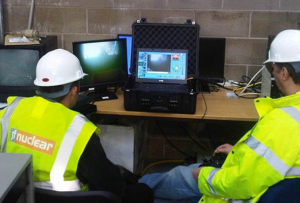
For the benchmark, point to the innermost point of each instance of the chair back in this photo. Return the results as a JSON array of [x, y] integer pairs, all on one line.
[[50, 196]]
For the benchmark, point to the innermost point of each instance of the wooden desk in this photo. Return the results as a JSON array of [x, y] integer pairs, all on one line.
[[219, 107]]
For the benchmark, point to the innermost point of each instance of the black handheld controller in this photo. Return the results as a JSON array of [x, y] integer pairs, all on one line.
[[216, 161]]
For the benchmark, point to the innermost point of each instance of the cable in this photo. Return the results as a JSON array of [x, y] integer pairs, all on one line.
[[248, 95], [211, 82], [160, 162], [242, 92], [187, 133], [205, 104], [182, 152], [254, 83], [240, 88], [204, 110]]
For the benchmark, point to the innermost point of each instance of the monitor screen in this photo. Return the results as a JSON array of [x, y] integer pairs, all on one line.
[[162, 65], [17, 67], [17, 72], [129, 48], [105, 62], [212, 59]]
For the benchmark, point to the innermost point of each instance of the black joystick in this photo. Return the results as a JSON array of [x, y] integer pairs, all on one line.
[[216, 161]]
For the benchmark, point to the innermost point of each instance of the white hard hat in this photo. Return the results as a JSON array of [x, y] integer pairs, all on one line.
[[58, 67], [285, 48]]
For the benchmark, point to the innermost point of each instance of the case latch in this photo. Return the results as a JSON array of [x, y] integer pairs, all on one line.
[[143, 20], [189, 21]]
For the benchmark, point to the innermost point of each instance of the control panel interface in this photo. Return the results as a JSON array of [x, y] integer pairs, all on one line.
[[162, 65]]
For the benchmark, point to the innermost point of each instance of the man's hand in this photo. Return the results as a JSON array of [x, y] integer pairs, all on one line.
[[196, 172], [225, 148]]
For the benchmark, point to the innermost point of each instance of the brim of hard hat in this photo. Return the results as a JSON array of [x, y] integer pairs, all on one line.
[[54, 95], [37, 83], [280, 61]]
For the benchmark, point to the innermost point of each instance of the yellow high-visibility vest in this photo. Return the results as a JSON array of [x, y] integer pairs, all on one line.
[[265, 155], [55, 135]]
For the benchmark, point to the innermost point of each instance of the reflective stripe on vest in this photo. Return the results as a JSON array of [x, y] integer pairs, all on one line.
[[240, 201], [293, 112], [236, 201], [5, 121], [268, 155], [210, 178], [63, 155], [72, 185], [294, 171]]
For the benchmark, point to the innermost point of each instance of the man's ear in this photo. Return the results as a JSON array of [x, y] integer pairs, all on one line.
[[74, 90], [285, 73]]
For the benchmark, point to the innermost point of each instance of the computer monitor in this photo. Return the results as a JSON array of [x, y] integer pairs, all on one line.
[[105, 62], [211, 59], [162, 66], [129, 49], [18, 66]]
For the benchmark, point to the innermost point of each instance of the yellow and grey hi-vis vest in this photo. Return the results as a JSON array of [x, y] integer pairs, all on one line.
[[55, 135], [265, 155]]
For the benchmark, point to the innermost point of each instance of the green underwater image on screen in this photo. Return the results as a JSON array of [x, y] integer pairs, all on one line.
[[104, 61]]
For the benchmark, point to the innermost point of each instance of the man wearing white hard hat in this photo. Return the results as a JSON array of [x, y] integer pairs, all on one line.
[[67, 154], [264, 156]]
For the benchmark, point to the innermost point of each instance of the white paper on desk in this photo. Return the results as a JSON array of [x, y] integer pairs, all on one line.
[[2, 105], [231, 95]]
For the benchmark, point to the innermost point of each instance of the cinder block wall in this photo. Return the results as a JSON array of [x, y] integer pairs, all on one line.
[[245, 23]]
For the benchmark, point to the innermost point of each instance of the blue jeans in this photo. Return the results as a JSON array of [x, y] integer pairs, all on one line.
[[176, 185]]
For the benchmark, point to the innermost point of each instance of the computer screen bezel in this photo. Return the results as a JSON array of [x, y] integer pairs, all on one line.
[[128, 56], [103, 86], [167, 81]]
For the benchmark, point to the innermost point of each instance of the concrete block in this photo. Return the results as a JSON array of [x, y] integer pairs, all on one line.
[[111, 21], [60, 20], [246, 51], [264, 24], [167, 16], [223, 23]]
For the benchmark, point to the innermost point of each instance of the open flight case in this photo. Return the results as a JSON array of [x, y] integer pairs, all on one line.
[[164, 36]]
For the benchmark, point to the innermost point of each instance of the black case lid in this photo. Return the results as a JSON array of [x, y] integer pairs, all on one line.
[[167, 36]]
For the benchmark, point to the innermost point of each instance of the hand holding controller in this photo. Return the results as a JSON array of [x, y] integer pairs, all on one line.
[[216, 161]]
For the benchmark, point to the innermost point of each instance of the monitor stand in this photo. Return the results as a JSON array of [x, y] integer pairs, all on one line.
[[103, 94], [203, 87]]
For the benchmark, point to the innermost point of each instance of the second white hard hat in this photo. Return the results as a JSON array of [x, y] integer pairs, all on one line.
[[58, 67], [285, 47]]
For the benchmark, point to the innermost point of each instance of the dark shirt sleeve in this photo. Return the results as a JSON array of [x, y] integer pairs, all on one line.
[[97, 171]]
